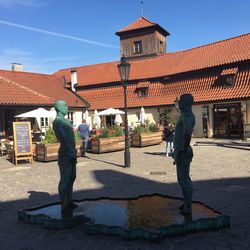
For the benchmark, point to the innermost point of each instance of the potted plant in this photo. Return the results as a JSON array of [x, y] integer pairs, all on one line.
[[146, 135], [47, 149], [109, 140]]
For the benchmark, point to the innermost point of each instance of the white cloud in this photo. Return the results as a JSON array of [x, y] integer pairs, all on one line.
[[51, 33], [23, 3]]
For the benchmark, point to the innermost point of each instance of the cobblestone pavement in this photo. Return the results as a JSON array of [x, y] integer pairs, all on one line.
[[220, 174]]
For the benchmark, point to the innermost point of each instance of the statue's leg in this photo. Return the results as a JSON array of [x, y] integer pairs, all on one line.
[[70, 190], [65, 185], [186, 185]]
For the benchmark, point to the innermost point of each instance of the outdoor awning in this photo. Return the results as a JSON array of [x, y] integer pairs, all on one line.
[[110, 111], [36, 113]]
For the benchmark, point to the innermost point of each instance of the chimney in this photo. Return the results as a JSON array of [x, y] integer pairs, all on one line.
[[16, 67], [73, 79]]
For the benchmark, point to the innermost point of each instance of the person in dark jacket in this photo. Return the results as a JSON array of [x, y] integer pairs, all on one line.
[[84, 133], [169, 136]]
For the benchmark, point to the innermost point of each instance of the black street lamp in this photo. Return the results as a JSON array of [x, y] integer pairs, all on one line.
[[124, 69]]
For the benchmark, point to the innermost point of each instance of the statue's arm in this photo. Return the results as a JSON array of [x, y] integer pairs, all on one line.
[[187, 132]]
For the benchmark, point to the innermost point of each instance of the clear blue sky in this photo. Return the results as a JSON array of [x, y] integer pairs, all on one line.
[[48, 35]]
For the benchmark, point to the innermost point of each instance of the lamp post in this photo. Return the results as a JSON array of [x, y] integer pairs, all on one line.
[[124, 69]]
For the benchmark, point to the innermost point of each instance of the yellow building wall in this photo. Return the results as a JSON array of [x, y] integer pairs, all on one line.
[[153, 115], [247, 112]]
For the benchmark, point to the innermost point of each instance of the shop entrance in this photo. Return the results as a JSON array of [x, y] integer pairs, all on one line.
[[228, 122]]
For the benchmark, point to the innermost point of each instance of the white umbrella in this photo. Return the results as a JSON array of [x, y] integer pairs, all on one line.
[[111, 111], [142, 116], [97, 120], [118, 119], [36, 113], [40, 112]]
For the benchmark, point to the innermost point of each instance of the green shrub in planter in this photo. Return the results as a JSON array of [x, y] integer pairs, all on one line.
[[153, 127], [50, 137], [118, 131], [110, 132], [147, 128]]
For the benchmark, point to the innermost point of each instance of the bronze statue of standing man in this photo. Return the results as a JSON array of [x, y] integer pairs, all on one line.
[[183, 152], [66, 156]]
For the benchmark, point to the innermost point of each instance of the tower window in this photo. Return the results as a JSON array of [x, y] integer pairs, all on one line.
[[138, 47]]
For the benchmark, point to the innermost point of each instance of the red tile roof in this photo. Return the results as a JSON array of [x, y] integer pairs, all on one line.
[[219, 53], [140, 23], [37, 89], [14, 94], [203, 88], [230, 71], [143, 84]]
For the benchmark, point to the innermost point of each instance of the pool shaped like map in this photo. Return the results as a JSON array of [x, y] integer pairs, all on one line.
[[150, 217]]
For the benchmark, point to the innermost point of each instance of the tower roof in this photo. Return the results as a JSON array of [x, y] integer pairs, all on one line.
[[139, 24]]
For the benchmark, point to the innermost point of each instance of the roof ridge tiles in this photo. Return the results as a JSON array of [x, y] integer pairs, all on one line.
[[85, 66], [208, 44], [24, 72]]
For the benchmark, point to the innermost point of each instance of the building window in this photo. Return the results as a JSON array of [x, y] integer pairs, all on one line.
[[138, 47], [142, 92], [228, 81], [44, 122], [228, 77], [70, 117]]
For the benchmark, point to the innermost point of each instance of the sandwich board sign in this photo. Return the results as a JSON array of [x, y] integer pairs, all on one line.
[[22, 141]]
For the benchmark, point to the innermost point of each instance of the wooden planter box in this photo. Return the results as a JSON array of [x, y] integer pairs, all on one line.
[[103, 145], [49, 152], [146, 139]]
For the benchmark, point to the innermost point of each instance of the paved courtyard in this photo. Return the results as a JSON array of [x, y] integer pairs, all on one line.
[[220, 173]]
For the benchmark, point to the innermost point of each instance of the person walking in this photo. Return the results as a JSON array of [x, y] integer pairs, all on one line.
[[84, 133], [169, 136]]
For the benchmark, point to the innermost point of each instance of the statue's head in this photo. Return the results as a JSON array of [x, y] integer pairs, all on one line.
[[185, 101], [61, 106]]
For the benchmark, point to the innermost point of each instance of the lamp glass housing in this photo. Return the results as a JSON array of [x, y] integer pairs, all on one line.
[[124, 69]]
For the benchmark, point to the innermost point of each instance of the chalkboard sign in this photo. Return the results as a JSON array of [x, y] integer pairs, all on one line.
[[22, 140]]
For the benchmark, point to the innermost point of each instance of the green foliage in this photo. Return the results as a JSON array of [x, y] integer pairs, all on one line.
[[118, 131], [146, 128], [153, 127], [139, 130], [104, 133], [164, 115], [77, 136], [110, 132], [166, 118], [50, 137]]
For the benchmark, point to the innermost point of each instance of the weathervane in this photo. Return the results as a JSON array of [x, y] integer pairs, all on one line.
[[142, 8]]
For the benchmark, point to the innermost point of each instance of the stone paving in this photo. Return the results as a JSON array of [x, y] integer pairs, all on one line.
[[220, 173]]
